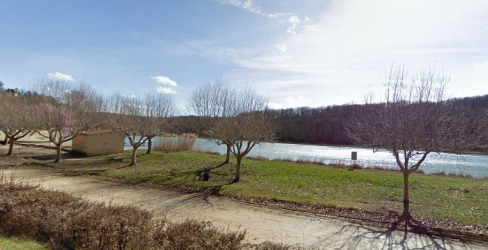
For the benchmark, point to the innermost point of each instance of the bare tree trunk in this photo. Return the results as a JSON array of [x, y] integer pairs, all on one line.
[[227, 157], [58, 152], [149, 145], [238, 170], [10, 146], [134, 155], [406, 198], [5, 140]]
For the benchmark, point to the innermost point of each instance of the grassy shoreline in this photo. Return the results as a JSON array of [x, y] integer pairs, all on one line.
[[454, 199]]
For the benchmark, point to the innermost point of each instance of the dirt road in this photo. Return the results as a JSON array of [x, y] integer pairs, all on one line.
[[260, 223]]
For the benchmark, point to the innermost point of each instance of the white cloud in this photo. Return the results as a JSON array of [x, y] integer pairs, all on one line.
[[165, 80], [480, 72], [277, 15], [132, 96], [474, 79], [60, 76], [273, 105], [297, 101], [351, 47], [248, 5], [353, 35], [292, 101], [281, 47], [165, 90], [353, 44], [294, 22]]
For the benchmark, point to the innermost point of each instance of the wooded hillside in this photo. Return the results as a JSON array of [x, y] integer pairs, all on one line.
[[323, 125]]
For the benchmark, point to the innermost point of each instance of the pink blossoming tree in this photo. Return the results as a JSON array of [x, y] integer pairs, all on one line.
[[65, 110]]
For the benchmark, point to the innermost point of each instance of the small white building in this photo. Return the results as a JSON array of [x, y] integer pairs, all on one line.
[[99, 142]]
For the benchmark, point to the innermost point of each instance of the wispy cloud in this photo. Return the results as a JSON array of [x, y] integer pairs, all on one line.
[[165, 90], [249, 5], [294, 21], [281, 47], [165, 80], [278, 15], [350, 47], [60, 76], [293, 101]]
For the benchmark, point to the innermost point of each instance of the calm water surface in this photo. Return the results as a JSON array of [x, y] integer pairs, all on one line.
[[475, 165]]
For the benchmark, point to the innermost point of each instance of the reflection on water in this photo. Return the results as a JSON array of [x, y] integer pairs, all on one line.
[[475, 165]]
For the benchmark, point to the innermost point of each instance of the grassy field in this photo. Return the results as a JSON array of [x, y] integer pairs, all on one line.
[[14, 244], [462, 200]]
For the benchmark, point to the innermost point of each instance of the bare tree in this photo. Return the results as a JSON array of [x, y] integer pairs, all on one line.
[[5, 140], [2, 90], [235, 117], [17, 120], [65, 110], [158, 108], [219, 99], [126, 116], [139, 119], [213, 100], [243, 132], [414, 120], [2, 93]]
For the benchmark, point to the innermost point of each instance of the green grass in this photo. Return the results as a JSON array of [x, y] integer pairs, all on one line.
[[432, 197], [16, 244]]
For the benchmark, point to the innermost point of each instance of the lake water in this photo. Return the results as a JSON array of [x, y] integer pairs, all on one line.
[[475, 165]]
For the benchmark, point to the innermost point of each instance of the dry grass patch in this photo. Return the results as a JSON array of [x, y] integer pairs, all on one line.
[[175, 142]]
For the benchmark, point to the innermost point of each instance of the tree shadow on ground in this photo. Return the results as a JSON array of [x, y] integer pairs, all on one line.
[[110, 159], [198, 174], [365, 237], [78, 160], [64, 156], [214, 189]]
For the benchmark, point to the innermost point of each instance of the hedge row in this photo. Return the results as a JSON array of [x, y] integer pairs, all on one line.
[[67, 222]]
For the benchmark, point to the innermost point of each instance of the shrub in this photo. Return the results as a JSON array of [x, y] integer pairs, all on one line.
[[196, 235], [67, 222]]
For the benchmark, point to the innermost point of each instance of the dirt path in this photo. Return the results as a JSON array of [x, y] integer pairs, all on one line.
[[260, 223]]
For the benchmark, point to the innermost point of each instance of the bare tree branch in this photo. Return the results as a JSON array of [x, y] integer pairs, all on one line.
[[64, 110], [414, 120], [139, 120], [235, 116], [16, 119]]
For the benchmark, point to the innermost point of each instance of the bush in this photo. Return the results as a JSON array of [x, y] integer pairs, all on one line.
[[67, 222], [196, 235]]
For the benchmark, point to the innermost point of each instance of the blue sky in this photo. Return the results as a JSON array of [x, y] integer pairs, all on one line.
[[297, 53]]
